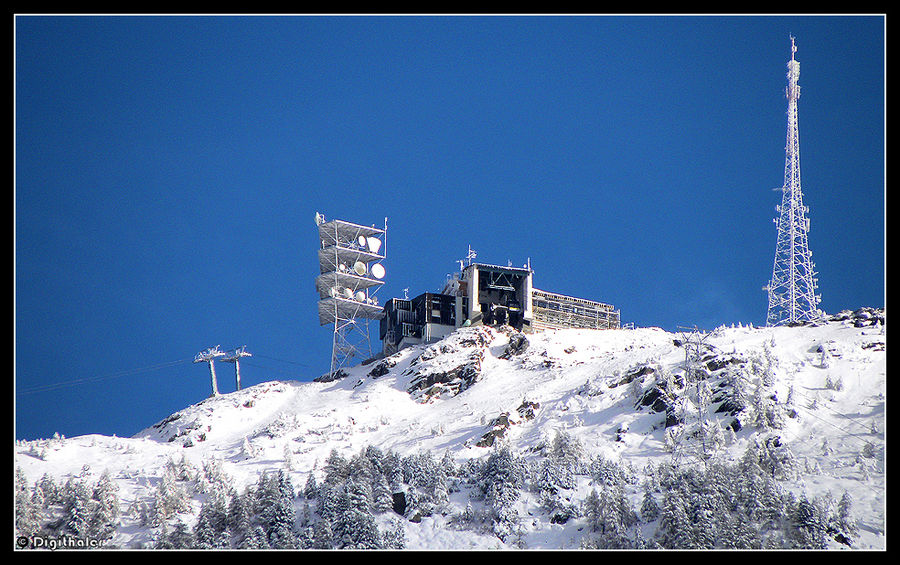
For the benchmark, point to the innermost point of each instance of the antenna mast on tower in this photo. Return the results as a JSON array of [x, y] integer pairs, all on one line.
[[351, 272], [792, 289]]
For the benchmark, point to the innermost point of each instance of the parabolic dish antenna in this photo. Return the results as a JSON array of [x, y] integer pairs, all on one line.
[[360, 296], [378, 271], [348, 293], [361, 240], [374, 244], [360, 268]]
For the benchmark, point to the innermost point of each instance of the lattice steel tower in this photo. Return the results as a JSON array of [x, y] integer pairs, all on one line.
[[351, 273], [792, 290]]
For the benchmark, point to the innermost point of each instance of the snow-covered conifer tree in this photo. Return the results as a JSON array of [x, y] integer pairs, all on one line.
[[808, 525], [239, 518], [27, 511], [76, 507], [337, 468], [311, 489], [105, 516], [359, 530], [649, 507], [846, 521], [323, 535]]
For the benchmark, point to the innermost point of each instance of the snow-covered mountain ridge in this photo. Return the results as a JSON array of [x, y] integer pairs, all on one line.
[[813, 396]]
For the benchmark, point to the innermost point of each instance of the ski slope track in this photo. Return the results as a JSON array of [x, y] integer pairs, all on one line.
[[485, 387]]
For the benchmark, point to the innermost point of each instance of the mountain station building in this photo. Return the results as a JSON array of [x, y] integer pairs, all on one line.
[[490, 295]]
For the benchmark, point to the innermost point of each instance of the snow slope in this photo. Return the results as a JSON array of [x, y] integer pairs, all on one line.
[[459, 394]]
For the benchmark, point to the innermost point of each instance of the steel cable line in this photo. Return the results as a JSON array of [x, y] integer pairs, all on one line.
[[806, 410], [284, 361], [273, 370], [75, 382]]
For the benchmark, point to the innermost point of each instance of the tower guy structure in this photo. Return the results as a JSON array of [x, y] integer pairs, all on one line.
[[792, 289]]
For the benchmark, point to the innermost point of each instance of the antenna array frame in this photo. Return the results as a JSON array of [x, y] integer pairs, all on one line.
[[346, 286]]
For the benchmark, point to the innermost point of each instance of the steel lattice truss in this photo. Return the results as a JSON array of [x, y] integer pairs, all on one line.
[[346, 285], [792, 289]]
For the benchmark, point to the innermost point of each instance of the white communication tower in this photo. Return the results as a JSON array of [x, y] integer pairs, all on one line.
[[209, 356], [792, 289], [234, 356], [351, 273]]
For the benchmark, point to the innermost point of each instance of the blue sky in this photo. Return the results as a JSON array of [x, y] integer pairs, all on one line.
[[168, 170]]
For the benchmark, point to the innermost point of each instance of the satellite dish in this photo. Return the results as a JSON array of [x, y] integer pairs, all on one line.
[[343, 267], [360, 268], [360, 296], [348, 293], [374, 244], [375, 300], [378, 271], [319, 218], [362, 241]]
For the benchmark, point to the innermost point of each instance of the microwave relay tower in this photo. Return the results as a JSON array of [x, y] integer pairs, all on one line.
[[792, 289], [350, 274]]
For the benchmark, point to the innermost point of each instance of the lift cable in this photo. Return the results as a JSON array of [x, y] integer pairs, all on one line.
[[85, 380]]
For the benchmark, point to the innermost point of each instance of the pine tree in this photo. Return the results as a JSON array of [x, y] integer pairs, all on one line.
[[808, 525], [395, 538], [311, 489], [448, 466], [171, 498], [674, 529], [204, 536], [27, 510], [744, 534], [592, 510], [501, 478], [288, 458], [49, 490], [161, 539], [323, 535], [615, 517], [382, 499], [846, 521], [337, 468], [76, 507], [181, 537], [239, 520], [105, 515], [358, 528], [247, 449], [305, 538], [279, 517], [568, 452], [774, 506], [649, 507], [376, 458], [331, 501], [703, 521], [255, 539], [440, 494]]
